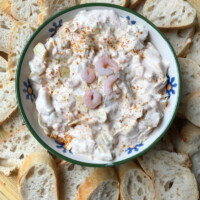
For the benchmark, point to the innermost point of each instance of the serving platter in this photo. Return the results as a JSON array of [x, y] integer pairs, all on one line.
[[8, 185]]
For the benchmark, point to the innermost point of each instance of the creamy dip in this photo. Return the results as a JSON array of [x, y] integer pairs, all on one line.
[[100, 84]]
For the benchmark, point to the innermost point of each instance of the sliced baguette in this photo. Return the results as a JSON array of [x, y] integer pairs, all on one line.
[[190, 73], [8, 100], [19, 35], [6, 24], [188, 141], [70, 177], [180, 39], [173, 179], [13, 123], [25, 10], [196, 166], [192, 108], [101, 184], [50, 7], [117, 2], [37, 177], [4, 74], [134, 183], [170, 14], [194, 50], [15, 148]]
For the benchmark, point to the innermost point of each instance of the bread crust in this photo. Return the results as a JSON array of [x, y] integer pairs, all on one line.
[[91, 183], [30, 161], [134, 3], [122, 173]]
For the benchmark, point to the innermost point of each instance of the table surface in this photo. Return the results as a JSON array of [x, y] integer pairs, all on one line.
[[8, 185]]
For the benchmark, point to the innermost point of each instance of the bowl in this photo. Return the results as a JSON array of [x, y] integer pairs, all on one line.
[[26, 97]]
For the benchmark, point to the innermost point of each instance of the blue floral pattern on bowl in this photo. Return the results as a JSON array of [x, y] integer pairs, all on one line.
[[55, 28], [170, 86], [28, 90], [133, 148], [61, 146], [131, 21]]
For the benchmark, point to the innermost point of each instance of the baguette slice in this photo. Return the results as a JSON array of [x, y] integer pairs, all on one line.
[[190, 73], [15, 148], [8, 100], [188, 141], [196, 166], [37, 177], [170, 14], [134, 3], [101, 184], [25, 10], [50, 7], [173, 179], [19, 36], [4, 74], [6, 24], [192, 108], [13, 123], [134, 183], [70, 177], [180, 39], [194, 49]]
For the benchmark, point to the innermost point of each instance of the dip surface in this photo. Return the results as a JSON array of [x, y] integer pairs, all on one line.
[[100, 85]]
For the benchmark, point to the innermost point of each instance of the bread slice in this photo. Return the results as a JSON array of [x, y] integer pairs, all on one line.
[[173, 179], [117, 2], [192, 108], [70, 177], [194, 50], [20, 34], [6, 24], [25, 10], [134, 3], [190, 74], [15, 148], [50, 7], [180, 39], [37, 178], [13, 123], [170, 14], [8, 100], [101, 184], [134, 183], [188, 140], [4, 74], [196, 166]]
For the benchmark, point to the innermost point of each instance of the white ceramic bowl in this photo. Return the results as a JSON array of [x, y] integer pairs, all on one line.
[[26, 97]]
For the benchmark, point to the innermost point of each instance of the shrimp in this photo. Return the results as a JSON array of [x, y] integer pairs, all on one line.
[[108, 84], [92, 99], [88, 75], [106, 66]]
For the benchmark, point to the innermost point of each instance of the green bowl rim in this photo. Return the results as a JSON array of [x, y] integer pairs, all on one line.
[[24, 115]]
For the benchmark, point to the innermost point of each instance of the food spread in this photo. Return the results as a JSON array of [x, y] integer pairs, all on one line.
[[100, 84]]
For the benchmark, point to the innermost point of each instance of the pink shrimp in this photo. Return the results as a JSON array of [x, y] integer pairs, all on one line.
[[108, 84], [88, 75], [92, 99], [106, 66]]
